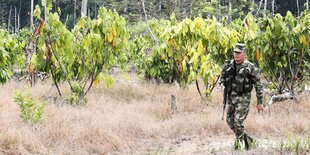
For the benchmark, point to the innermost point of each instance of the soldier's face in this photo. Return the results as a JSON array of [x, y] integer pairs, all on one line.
[[239, 57]]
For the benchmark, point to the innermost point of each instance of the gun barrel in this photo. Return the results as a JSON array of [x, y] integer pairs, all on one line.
[[224, 102]]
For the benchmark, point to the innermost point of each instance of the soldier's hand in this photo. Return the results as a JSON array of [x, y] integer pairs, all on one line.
[[260, 108]]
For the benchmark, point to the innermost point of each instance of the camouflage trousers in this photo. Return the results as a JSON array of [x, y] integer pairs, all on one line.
[[236, 114]]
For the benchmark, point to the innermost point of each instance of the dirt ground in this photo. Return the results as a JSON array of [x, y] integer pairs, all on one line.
[[207, 145]]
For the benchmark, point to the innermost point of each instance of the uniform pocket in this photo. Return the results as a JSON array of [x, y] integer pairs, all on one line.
[[239, 84], [248, 87], [239, 88]]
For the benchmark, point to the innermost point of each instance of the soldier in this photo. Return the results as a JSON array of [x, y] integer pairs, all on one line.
[[238, 77]]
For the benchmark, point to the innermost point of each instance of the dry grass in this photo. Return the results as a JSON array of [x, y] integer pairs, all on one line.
[[134, 117]]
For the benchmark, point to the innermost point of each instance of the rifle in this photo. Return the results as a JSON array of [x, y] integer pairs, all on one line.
[[228, 87]]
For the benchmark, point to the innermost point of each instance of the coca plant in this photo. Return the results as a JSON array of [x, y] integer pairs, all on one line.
[[197, 49], [142, 46], [191, 50], [100, 45], [84, 56], [284, 51], [11, 54]]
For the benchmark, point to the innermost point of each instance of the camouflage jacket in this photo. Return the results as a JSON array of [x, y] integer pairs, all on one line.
[[239, 81]]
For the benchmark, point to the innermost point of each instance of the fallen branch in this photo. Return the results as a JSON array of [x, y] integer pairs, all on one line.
[[280, 97]]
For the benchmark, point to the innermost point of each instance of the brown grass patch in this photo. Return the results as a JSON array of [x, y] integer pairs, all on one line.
[[134, 117]]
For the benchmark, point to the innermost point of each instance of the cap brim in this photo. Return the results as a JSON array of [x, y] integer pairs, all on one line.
[[238, 51]]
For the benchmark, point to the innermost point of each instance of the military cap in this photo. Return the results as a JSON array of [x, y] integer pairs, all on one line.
[[240, 47]]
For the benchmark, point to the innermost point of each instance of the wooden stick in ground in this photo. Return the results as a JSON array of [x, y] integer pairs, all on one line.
[[173, 104]]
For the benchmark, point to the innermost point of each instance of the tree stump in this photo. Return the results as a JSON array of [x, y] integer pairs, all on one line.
[[173, 104]]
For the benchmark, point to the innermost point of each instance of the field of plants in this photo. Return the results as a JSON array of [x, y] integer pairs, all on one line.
[[104, 86]]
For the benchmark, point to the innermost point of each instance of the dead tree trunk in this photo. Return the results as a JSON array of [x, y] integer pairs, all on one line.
[[84, 8], [1, 9], [31, 15], [9, 20], [96, 5], [74, 12], [272, 5], [191, 10], [297, 3], [147, 23], [229, 5], [15, 20], [18, 17], [260, 4], [265, 8]]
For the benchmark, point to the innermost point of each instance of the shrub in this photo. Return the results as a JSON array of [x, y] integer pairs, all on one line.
[[31, 110]]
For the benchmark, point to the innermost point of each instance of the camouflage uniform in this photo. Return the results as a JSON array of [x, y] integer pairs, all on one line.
[[238, 80]]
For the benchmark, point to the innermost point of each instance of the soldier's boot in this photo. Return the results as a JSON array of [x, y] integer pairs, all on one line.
[[249, 142]]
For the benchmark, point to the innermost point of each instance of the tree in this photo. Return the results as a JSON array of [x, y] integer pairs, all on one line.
[[297, 4], [19, 12], [230, 10], [146, 20], [74, 13], [272, 6], [283, 51], [9, 19], [84, 56], [265, 8], [11, 54], [84, 8], [31, 14], [260, 4]]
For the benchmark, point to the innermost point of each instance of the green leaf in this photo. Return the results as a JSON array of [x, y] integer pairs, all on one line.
[[43, 2], [178, 57], [33, 60], [200, 47], [266, 48], [59, 10], [280, 43], [82, 23], [37, 12]]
